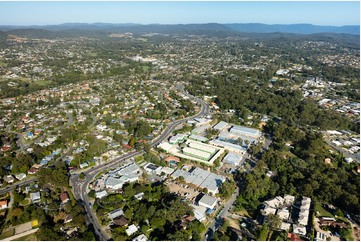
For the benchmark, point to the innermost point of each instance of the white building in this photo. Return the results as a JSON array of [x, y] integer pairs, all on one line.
[[177, 138], [20, 176], [101, 194], [116, 213], [141, 237], [35, 197], [299, 230], [229, 146], [199, 212], [208, 201], [153, 168], [131, 230]]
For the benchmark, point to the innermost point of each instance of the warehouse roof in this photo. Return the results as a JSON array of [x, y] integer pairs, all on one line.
[[245, 130], [232, 158], [221, 125], [198, 153]]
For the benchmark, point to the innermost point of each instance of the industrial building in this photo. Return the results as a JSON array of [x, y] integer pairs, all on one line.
[[177, 138], [242, 130], [232, 159], [229, 146], [221, 126], [197, 153], [198, 138], [201, 178]]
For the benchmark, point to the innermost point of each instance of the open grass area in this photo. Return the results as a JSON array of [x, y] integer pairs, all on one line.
[[322, 212], [7, 234], [43, 83], [29, 237], [348, 235], [25, 202]]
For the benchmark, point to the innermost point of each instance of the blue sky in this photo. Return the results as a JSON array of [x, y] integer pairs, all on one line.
[[42, 13]]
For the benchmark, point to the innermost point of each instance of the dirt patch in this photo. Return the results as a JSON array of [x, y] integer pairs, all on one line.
[[183, 190], [234, 223]]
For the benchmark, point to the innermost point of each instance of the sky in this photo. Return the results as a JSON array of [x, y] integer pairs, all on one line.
[[183, 12]]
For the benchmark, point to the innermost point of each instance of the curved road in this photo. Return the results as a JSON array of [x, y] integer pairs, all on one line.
[[80, 186]]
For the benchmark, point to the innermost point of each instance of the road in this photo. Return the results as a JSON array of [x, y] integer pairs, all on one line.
[[217, 221], [9, 188], [80, 187]]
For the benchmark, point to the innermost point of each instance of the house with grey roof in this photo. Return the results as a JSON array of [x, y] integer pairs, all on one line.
[[35, 197], [116, 213]]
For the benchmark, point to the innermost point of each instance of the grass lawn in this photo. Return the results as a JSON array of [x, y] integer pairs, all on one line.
[[348, 235], [139, 158], [25, 202], [7, 234], [322, 211], [29, 237]]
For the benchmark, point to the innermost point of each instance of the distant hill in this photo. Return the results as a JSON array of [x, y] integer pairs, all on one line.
[[194, 28], [294, 28]]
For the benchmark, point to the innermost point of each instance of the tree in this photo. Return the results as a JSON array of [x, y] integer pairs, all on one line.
[[274, 222]]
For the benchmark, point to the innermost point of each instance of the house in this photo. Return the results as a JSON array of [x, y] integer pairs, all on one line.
[[140, 237], [172, 160], [320, 236], [299, 230], [101, 194], [293, 237], [177, 138], [289, 199], [64, 197], [116, 213], [139, 196], [152, 168], [20, 176], [285, 226], [131, 230], [9, 179], [33, 170], [283, 214], [114, 183], [83, 165], [121, 221], [167, 170], [326, 221], [35, 197], [3, 204], [68, 218], [199, 212], [208, 201]]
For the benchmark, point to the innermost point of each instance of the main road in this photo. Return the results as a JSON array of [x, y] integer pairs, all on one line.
[[80, 186]]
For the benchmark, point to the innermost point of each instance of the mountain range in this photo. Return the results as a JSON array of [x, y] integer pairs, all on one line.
[[184, 28]]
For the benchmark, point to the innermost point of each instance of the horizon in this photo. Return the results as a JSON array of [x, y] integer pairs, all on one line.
[[171, 13], [130, 23]]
